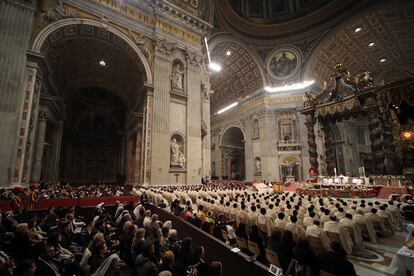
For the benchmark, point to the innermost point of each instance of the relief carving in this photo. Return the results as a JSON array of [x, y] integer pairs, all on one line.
[[164, 47]]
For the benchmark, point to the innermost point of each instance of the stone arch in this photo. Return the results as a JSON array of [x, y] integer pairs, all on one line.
[[45, 32], [229, 127], [233, 164]]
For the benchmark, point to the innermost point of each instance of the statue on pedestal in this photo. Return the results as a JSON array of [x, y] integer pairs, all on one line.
[[177, 77]]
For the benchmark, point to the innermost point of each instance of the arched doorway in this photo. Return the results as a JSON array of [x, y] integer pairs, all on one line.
[[233, 156], [99, 77]]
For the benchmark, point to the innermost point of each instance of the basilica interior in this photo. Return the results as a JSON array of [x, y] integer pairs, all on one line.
[[251, 126]]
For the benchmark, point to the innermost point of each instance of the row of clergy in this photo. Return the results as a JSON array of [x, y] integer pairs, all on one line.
[[309, 216]]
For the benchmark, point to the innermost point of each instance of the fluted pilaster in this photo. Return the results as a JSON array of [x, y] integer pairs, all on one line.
[[15, 30]]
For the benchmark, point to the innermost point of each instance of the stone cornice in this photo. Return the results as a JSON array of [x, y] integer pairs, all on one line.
[[176, 14]]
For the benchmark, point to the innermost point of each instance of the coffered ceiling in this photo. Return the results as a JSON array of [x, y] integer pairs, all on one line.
[[74, 53], [239, 78]]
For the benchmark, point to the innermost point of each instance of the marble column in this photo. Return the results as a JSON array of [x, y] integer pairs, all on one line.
[[393, 164], [40, 143], [147, 137], [313, 153], [329, 148], [56, 146], [375, 130], [206, 142], [138, 158]]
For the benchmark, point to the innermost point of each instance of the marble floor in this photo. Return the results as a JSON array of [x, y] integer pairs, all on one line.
[[386, 249]]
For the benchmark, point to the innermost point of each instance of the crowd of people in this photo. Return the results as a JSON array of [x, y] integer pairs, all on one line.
[[130, 241], [317, 232], [27, 197], [309, 233]]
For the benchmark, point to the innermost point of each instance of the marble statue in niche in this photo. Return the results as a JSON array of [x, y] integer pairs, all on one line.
[[283, 63], [177, 155], [257, 166], [177, 77]]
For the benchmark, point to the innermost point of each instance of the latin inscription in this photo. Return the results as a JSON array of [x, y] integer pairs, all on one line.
[[155, 22]]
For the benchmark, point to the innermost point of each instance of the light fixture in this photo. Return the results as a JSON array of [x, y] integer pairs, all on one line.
[[212, 65], [227, 107], [102, 62], [291, 87], [228, 52], [357, 29], [371, 44], [383, 60], [407, 135]]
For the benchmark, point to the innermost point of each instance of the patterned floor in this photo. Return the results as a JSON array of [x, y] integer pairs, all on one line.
[[375, 259]]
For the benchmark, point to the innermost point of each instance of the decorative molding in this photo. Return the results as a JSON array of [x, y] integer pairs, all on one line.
[[162, 46], [172, 12], [194, 60]]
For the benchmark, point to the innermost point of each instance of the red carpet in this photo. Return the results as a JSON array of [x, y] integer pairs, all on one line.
[[290, 188], [83, 202]]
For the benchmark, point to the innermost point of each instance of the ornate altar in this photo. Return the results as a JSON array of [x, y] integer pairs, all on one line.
[[343, 103]]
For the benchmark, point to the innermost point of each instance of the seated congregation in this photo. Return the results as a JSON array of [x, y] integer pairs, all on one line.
[[128, 240], [292, 231]]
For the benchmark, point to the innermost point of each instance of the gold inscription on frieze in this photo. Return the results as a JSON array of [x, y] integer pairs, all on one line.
[[154, 22]]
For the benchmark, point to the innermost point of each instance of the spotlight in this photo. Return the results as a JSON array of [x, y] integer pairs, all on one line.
[[102, 63], [357, 29], [227, 107], [228, 53], [371, 44], [383, 60], [295, 86], [214, 66]]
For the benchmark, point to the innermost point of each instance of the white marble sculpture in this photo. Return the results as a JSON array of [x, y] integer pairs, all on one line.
[[177, 157], [177, 77]]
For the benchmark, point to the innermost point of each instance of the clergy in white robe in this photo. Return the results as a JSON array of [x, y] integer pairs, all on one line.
[[316, 231], [361, 221], [356, 231], [252, 216], [242, 216], [376, 220], [264, 222], [334, 227], [280, 222], [296, 229]]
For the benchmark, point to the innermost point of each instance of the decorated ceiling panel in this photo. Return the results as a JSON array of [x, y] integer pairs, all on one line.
[[239, 77], [383, 45]]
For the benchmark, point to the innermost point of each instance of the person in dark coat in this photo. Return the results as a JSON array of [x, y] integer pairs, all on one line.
[[287, 244], [305, 256], [45, 265], [274, 243], [335, 261]]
